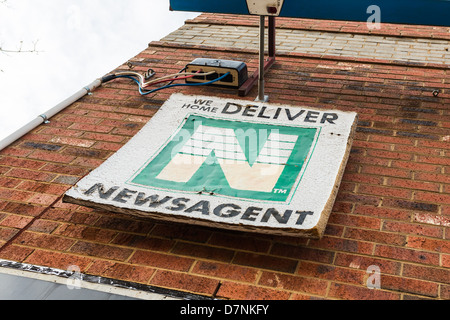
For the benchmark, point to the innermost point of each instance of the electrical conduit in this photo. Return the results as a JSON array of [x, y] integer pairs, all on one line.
[[50, 113]]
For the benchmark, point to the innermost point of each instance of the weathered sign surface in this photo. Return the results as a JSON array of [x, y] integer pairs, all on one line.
[[230, 164]]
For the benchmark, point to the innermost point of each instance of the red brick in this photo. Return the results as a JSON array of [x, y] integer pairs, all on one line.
[[77, 119], [121, 271], [185, 282], [73, 142], [354, 220], [106, 115], [445, 292], [375, 236], [43, 199], [389, 154], [328, 272], [23, 209], [241, 242], [433, 144], [345, 245], [139, 112], [64, 169], [135, 118], [363, 178], [401, 284], [427, 273], [58, 260], [187, 233], [370, 144], [9, 183], [18, 222], [91, 127], [101, 251], [110, 146], [349, 292], [124, 224], [7, 234], [381, 212], [205, 252], [392, 140], [226, 271], [61, 132], [385, 191], [386, 171], [342, 207], [159, 260], [300, 296], [48, 188], [265, 262], [44, 241], [364, 262], [129, 132], [103, 137], [413, 228], [237, 291], [109, 95], [362, 159], [417, 185], [446, 261], [445, 210], [87, 162], [119, 124], [302, 252], [14, 195], [11, 151], [21, 163], [31, 175], [407, 255], [410, 205], [86, 233], [15, 253], [51, 156], [83, 152], [43, 226], [434, 160], [143, 242], [294, 283], [432, 197], [416, 150], [414, 166], [427, 244]]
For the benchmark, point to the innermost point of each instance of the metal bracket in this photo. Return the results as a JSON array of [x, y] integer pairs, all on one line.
[[264, 65], [45, 118]]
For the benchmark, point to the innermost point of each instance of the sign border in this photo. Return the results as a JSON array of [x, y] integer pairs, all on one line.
[[312, 228]]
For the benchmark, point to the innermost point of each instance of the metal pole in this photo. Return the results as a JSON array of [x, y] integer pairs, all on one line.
[[262, 27]]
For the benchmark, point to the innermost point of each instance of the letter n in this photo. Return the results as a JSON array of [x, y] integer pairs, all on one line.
[[100, 188]]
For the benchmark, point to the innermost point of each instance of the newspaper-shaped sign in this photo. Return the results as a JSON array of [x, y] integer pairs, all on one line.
[[230, 164]]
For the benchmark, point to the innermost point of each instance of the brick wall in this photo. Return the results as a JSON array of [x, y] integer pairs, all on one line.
[[392, 210]]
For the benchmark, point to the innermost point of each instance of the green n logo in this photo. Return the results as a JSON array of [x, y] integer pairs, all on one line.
[[231, 158]]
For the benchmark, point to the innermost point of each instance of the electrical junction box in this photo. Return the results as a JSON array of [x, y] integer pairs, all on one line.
[[238, 72]]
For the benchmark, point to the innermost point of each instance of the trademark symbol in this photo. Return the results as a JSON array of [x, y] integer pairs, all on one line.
[[280, 191]]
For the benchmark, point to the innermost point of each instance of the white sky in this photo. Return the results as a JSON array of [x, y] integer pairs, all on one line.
[[78, 41]]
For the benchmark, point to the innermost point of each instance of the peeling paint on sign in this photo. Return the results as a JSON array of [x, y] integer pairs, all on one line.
[[229, 164]]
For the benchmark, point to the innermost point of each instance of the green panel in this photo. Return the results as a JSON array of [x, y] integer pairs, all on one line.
[[210, 178]]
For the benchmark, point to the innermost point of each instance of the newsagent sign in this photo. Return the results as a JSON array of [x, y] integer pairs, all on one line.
[[230, 164]]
